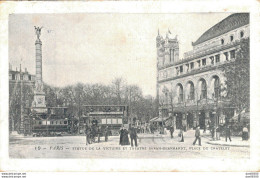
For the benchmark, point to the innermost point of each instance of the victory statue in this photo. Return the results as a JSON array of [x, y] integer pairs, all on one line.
[[38, 31]]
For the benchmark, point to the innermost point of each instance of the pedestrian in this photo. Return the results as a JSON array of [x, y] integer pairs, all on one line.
[[245, 133], [133, 136], [87, 132], [121, 133], [228, 133], [125, 139], [218, 133], [181, 135], [171, 131], [106, 133], [197, 136]]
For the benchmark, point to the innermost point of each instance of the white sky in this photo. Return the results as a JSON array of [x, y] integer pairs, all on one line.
[[96, 48]]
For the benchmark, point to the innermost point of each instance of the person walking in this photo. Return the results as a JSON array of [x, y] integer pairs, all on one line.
[[133, 136], [106, 133], [228, 133], [121, 133], [181, 135], [125, 138], [197, 136], [245, 133], [87, 132], [171, 131]]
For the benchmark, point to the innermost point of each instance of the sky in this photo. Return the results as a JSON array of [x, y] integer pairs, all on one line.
[[97, 48]]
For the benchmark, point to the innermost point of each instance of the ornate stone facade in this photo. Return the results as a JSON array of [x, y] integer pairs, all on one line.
[[189, 89]]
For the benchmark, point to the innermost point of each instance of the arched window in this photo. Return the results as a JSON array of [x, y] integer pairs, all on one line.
[[241, 34], [180, 98], [231, 38], [191, 91], [222, 41], [203, 89], [216, 87]]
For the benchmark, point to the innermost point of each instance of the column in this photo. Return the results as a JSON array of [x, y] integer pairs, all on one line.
[[195, 119], [184, 121], [206, 118]]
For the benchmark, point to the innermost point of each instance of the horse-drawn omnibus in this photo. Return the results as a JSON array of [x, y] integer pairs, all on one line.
[[104, 117]]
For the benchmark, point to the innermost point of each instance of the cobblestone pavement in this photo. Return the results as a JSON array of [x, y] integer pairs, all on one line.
[[149, 146]]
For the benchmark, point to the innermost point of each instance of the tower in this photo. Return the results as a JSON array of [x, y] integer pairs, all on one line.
[[167, 56], [38, 104]]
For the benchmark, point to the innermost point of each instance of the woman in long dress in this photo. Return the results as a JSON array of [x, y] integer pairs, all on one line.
[[125, 139], [121, 132]]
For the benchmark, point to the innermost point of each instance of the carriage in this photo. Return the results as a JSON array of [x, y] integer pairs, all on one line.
[[95, 132]]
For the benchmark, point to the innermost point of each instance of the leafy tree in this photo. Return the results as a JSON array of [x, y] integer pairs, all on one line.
[[237, 73]]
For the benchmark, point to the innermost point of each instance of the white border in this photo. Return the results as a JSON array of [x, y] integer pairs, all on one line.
[[251, 164]]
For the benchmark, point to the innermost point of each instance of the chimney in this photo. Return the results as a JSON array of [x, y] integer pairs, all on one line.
[[10, 66], [25, 69]]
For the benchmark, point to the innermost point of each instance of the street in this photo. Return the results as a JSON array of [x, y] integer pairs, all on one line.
[[149, 146]]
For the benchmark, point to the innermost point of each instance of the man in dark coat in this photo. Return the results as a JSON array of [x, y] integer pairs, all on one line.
[[171, 131], [197, 136], [228, 133], [133, 136]]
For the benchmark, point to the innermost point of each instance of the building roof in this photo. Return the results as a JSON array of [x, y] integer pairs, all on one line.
[[230, 23]]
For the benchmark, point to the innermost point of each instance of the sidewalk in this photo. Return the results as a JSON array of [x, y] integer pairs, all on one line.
[[236, 141]]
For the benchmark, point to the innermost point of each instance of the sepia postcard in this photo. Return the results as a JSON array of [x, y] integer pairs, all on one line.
[[106, 86]]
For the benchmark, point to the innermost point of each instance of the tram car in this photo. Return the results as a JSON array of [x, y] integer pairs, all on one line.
[[54, 122], [103, 117]]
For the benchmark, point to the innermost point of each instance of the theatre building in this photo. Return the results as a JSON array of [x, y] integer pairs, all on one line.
[[190, 89]]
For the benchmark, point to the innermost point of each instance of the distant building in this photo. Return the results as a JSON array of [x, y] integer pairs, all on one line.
[[21, 85], [16, 76], [189, 89]]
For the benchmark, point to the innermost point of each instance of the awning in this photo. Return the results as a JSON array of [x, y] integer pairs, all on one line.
[[159, 119]]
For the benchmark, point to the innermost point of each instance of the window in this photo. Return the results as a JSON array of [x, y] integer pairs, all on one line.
[[180, 94], [13, 76], [51, 122], [187, 67], [222, 41], [231, 38], [241, 34], [60, 122], [212, 59], [30, 77], [226, 55], [191, 91], [232, 54], [217, 58], [181, 69], [40, 122], [216, 87], [203, 89], [177, 70], [21, 77], [65, 122], [56, 122], [191, 65], [171, 55], [198, 63], [204, 62]]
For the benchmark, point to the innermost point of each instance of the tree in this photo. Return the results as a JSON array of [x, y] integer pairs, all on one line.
[[237, 73]]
